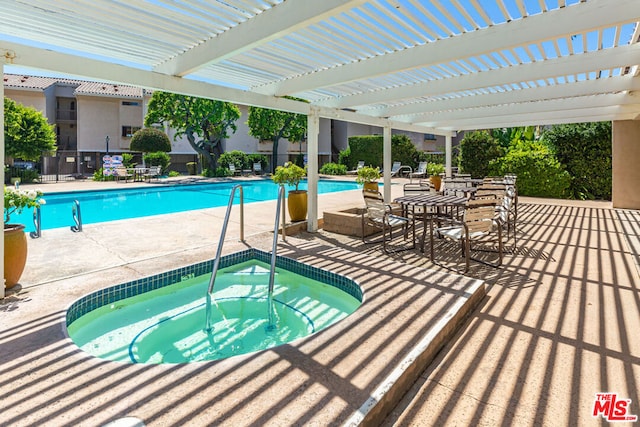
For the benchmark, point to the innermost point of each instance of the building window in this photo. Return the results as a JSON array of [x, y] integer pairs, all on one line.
[[429, 137], [134, 103], [128, 131]]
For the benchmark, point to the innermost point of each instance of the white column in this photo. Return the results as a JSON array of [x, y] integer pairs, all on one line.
[[313, 131], [2, 171], [386, 162], [447, 155]]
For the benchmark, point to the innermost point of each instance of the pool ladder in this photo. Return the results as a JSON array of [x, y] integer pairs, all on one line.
[[216, 262]]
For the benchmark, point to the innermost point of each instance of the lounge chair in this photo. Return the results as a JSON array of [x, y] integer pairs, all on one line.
[[233, 169], [257, 168], [355, 171], [380, 215], [397, 169], [421, 172]]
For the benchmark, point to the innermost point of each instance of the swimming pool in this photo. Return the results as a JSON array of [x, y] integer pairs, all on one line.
[[161, 319], [111, 205]]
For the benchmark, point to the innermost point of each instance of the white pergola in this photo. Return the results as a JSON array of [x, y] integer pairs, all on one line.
[[431, 66]]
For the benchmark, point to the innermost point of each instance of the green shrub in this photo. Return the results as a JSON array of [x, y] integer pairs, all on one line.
[[585, 151], [98, 175], [236, 157], [333, 169], [256, 158], [368, 174], [477, 150], [344, 158], [219, 172], [369, 148], [539, 172], [150, 140], [127, 160], [158, 158], [173, 174], [290, 174], [435, 169]]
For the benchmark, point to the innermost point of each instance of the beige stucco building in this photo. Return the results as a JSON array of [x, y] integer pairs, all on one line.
[[87, 113]]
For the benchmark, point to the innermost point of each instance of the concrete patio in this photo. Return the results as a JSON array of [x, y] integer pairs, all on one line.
[[558, 324]]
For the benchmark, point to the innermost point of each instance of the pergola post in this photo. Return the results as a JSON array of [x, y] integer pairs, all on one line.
[[313, 131], [2, 173], [447, 155], [386, 162]]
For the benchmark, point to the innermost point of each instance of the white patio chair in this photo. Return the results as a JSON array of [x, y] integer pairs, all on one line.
[[355, 171], [421, 172]]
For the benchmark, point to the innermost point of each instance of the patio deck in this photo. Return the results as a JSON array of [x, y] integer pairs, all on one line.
[[558, 325]]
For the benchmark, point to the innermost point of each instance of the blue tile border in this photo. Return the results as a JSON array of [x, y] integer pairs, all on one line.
[[115, 293]]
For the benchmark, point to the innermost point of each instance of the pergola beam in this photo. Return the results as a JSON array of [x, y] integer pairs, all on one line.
[[557, 105], [578, 18], [65, 63], [611, 113], [615, 57], [273, 23], [415, 111]]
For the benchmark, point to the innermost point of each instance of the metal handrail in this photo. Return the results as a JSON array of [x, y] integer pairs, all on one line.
[[274, 248], [37, 223], [77, 217], [216, 262]]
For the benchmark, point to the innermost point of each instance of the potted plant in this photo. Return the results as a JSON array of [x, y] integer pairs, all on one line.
[[368, 176], [434, 170], [15, 239], [292, 174]]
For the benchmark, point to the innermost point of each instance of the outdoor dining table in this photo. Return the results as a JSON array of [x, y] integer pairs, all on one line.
[[139, 173], [431, 204]]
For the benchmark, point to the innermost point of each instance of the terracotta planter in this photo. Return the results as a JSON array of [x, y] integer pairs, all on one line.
[[436, 180], [297, 205], [15, 253], [371, 186]]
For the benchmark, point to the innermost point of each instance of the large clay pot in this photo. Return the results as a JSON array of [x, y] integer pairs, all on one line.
[[15, 253], [297, 205], [436, 180], [371, 186]]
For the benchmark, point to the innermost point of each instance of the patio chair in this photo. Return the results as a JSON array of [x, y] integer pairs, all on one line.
[[355, 171], [233, 169], [152, 172], [478, 223], [396, 168], [507, 213], [380, 215], [421, 172], [123, 173], [257, 168]]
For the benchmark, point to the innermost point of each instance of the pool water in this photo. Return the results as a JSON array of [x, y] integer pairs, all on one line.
[[167, 325], [111, 205]]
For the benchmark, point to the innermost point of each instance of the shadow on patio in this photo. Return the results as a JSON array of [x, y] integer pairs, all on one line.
[[559, 324]]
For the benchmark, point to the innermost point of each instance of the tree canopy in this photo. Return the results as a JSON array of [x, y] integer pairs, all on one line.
[[266, 124], [150, 140], [477, 149], [204, 122], [27, 134]]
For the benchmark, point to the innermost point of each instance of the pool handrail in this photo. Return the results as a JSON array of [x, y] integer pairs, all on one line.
[[77, 217], [274, 248], [216, 262]]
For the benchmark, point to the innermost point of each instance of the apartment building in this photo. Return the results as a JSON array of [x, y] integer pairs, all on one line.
[[93, 119]]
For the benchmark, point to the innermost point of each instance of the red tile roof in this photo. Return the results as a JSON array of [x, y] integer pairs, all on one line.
[[82, 87]]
